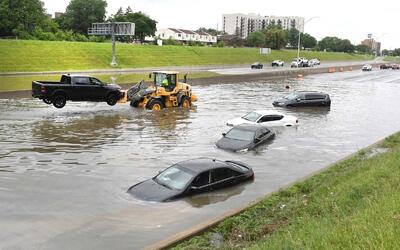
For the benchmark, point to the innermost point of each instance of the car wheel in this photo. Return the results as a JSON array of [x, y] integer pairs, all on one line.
[[185, 102], [59, 101], [155, 105], [47, 101], [112, 99]]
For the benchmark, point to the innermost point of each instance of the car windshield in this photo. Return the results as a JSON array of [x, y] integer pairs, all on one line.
[[291, 97], [240, 134], [174, 178], [252, 116]]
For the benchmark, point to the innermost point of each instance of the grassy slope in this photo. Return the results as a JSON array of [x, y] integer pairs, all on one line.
[[11, 83], [21, 55], [352, 205], [392, 59]]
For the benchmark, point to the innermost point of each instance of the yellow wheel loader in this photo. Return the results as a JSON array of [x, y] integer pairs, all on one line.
[[165, 92]]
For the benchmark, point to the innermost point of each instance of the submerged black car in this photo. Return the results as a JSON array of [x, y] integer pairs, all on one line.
[[245, 137], [191, 177], [304, 99]]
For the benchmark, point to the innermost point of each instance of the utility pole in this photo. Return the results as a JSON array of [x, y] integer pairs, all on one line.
[[298, 44]]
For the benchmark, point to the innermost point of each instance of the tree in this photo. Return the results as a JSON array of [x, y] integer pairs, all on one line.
[[292, 37], [144, 25], [20, 16], [80, 14], [308, 41], [346, 46], [275, 38], [256, 39], [210, 31]]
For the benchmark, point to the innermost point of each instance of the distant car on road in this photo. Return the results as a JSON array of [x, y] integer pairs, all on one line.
[[367, 67], [269, 118], [304, 99], [245, 137], [192, 177], [314, 62], [395, 66], [257, 65], [299, 63], [76, 88], [277, 63], [385, 66]]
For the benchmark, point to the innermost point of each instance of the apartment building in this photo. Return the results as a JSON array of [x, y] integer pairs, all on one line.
[[243, 25]]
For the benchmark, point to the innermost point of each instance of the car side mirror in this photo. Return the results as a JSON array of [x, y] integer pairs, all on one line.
[[298, 99], [150, 76], [223, 134]]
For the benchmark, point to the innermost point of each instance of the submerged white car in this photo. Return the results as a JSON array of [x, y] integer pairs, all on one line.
[[269, 118]]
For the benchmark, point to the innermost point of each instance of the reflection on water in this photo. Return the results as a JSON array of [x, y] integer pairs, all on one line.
[[77, 133], [67, 171], [215, 196]]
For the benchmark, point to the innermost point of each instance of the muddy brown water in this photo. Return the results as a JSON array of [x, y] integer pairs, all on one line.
[[64, 173]]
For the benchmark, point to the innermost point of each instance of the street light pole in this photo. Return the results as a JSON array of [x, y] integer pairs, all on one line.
[[298, 43]]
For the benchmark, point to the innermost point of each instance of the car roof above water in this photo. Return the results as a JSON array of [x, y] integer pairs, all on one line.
[[267, 112], [304, 92], [201, 164]]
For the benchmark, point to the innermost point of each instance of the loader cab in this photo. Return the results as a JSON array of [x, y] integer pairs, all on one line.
[[166, 79]]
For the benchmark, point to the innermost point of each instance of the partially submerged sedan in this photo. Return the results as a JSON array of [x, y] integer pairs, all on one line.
[[245, 137], [269, 118], [192, 177]]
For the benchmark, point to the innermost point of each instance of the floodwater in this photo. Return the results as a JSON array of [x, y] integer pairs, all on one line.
[[64, 173]]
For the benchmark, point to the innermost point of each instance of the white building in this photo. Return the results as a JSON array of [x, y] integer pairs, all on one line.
[[243, 25], [185, 35]]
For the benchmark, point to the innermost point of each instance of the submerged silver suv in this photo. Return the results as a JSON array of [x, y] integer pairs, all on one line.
[[304, 99]]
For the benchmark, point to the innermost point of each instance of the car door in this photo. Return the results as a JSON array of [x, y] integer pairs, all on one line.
[[98, 92], [270, 120], [82, 89], [299, 101], [315, 99], [222, 177], [201, 183], [262, 135]]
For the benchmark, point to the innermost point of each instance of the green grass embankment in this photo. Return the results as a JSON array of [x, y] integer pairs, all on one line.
[[354, 204], [14, 83], [37, 56], [394, 59]]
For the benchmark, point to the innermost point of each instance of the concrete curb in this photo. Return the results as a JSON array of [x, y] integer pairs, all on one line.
[[195, 230]]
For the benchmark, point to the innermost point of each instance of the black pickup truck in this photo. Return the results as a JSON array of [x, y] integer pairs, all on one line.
[[76, 88]]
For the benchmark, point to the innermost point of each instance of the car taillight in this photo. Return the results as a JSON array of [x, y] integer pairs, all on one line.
[[43, 89], [253, 177]]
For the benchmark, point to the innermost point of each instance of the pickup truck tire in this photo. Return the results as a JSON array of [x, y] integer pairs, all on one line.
[[112, 99], [47, 101], [59, 101], [155, 104]]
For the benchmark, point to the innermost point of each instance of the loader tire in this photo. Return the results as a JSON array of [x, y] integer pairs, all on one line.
[[155, 105]]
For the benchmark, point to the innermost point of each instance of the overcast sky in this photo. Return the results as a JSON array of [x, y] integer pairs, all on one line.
[[343, 18]]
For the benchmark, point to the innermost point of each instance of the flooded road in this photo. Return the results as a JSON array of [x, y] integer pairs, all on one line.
[[64, 173]]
